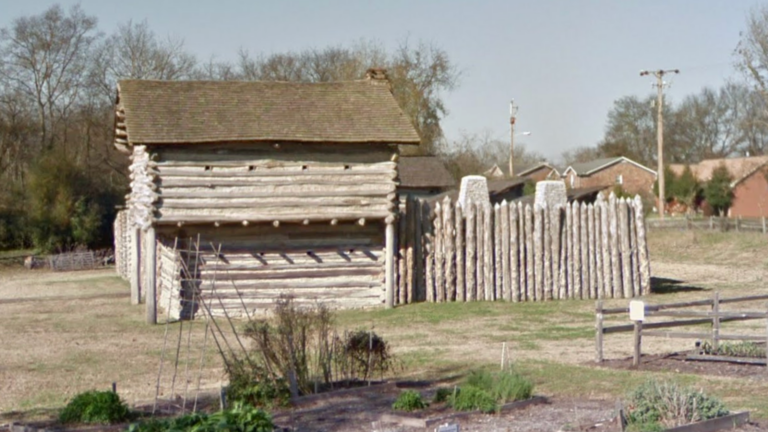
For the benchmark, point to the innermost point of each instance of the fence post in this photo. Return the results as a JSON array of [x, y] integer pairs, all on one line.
[[638, 335], [599, 332], [762, 219], [716, 320], [738, 223], [711, 223], [766, 340]]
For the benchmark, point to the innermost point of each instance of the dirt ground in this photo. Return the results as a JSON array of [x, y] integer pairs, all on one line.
[[64, 333]]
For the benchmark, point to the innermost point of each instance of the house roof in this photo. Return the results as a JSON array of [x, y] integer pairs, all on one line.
[[501, 186], [525, 170], [179, 112], [739, 168], [424, 172], [588, 168]]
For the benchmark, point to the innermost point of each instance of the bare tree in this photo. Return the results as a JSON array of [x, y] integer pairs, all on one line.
[[45, 58], [476, 153]]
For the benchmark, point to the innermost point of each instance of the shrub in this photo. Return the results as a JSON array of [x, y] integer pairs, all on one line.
[[368, 352], [102, 407], [253, 386], [409, 400], [505, 386], [665, 404]]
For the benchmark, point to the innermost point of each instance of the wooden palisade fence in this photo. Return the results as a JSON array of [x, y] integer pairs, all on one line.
[[518, 252]]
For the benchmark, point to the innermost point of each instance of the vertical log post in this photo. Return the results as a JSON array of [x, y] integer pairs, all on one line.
[[488, 252], [439, 254], [599, 252], [461, 293], [584, 242], [150, 268], [547, 243], [538, 252], [498, 283], [599, 332], [389, 263], [516, 269], [449, 251], [530, 279], [471, 232], [638, 336], [557, 253], [606, 247], [135, 248], [716, 320], [614, 245], [626, 252], [637, 286], [419, 253], [593, 252], [506, 256], [480, 251], [568, 291], [762, 219], [578, 270], [642, 246]]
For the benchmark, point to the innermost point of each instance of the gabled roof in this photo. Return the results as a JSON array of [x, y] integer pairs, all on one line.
[[584, 169], [424, 172], [524, 171], [738, 168], [500, 186], [182, 112]]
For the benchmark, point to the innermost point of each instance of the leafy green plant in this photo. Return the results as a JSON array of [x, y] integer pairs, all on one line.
[[252, 385], [368, 352], [98, 407], [667, 404], [717, 191], [409, 400], [504, 386], [473, 398], [738, 349], [240, 418], [442, 394]]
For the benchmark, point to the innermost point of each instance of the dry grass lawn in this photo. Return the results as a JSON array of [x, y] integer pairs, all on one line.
[[66, 333]]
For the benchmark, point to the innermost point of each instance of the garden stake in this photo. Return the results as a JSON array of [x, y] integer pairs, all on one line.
[[165, 341], [189, 331]]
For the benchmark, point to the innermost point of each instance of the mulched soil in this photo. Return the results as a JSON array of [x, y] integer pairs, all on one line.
[[677, 362]]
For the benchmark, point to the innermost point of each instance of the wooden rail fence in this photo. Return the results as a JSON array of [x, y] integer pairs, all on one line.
[[715, 316], [712, 223], [519, 252]]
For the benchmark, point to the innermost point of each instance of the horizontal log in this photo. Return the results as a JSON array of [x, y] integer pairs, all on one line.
[[262, 204], [267, 155], [677, 335], [317, 272], [349, 292], [709, 314], [319, 283], [186, 182], [729, 359], [666, 324], [231, 217], [240, 191], [250, 171], [218, 267]]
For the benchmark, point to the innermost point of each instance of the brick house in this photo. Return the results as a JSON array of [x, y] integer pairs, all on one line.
[[633, 177], [538, 172], [749, 183]]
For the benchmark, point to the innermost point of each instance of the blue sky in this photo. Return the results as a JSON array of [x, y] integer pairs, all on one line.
[[563, 61]]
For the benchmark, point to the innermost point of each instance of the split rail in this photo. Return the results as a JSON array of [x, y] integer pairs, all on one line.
[[715, 316]]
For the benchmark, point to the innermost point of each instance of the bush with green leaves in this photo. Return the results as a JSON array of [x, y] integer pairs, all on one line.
[[252, 385], [442, 394], [484, 391], [655, 405], [95, 407], [409, 400], [240, 418]]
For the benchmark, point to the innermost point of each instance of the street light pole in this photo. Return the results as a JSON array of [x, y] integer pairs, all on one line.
[[659, 74]]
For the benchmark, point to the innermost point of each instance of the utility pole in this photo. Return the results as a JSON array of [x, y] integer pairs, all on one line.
[[512, 114], [659, 74]]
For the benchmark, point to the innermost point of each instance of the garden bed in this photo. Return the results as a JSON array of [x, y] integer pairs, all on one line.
[[681, 362]]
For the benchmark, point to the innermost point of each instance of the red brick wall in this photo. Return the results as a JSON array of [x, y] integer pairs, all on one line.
[[635, 180], [543, 174], [750, 197]]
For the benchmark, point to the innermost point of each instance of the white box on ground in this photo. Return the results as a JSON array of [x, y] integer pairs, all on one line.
[[637, 310]]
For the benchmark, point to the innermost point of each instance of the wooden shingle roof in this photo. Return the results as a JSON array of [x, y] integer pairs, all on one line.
[[184, 112], [424, 172]]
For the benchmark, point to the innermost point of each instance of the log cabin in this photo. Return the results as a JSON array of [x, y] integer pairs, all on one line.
[[289, 187]]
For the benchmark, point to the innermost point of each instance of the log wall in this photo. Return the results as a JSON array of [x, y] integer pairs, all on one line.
[[241, 269], [529, 253], [268, 183]]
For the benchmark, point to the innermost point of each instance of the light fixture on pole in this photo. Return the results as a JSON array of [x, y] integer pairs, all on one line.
[[512, 114]]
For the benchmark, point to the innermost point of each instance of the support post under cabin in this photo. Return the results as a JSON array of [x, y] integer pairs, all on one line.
[[135, 270], [390, 262], [150, 267]]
